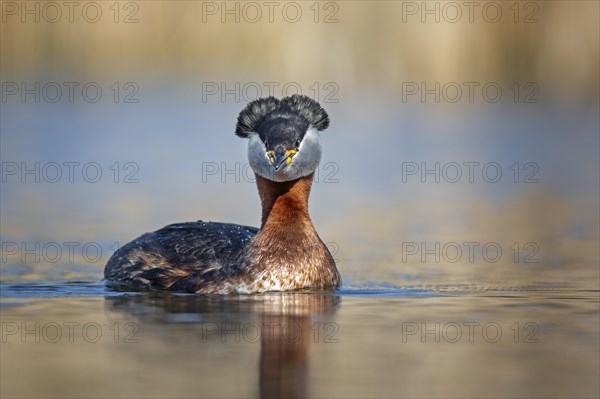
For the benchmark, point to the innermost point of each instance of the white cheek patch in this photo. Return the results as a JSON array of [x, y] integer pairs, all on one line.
[[257, 157], [303, 163], [307, 159]]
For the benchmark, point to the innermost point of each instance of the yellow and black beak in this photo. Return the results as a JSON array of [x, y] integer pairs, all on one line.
[[280, 157]]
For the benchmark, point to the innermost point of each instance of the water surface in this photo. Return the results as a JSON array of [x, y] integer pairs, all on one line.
[[472, 289], [79, 339]]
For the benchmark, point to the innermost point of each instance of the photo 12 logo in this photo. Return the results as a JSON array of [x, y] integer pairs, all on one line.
[[469, 252], [470, 332], [252, 12], [270, 331], [452, 12], [69, 92], [237, 92], [71, 252], [470, 172], [69, 172], [70, 11], [223, 172], [469, 92], [69, 332]]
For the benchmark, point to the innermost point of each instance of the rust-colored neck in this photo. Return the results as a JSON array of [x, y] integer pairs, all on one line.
[[287, 253], [284, 203]]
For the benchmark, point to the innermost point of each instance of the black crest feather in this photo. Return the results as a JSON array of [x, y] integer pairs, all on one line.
[[256, 111], [307, 108], [252, 116]]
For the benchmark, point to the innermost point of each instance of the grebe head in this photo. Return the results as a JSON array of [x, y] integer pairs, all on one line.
[[283, 136]]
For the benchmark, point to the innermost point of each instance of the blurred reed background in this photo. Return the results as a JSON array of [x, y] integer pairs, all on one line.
[[360, 59], [361, 45]]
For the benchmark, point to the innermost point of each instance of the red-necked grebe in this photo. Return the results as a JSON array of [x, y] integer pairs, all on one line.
[[286, 253]]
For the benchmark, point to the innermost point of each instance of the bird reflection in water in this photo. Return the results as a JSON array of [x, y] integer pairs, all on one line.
[[288, 325]]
